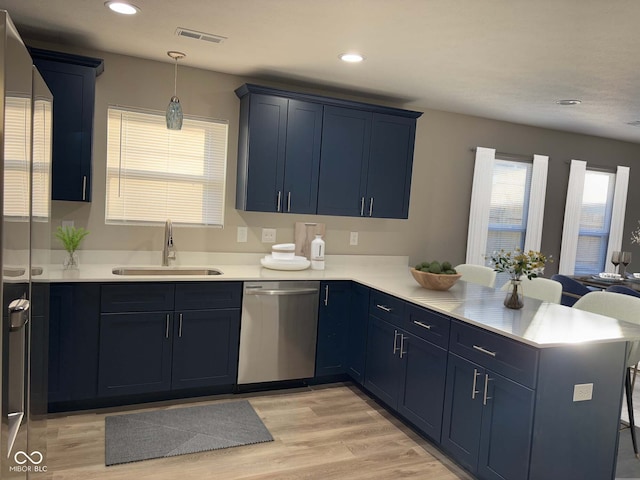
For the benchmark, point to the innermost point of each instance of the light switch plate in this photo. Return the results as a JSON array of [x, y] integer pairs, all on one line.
[[353, 238], [242, 235], [582, 392], [268, 235]]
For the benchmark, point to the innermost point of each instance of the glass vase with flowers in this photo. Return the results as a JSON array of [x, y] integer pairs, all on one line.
[[517, 264]]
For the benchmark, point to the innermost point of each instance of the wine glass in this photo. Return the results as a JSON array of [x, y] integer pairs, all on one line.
[[625, 259], [615, 259]]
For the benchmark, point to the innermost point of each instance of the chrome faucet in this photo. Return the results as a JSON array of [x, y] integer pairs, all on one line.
[[168, 252]]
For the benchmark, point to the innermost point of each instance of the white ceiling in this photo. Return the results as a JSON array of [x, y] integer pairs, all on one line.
[[503, 59]]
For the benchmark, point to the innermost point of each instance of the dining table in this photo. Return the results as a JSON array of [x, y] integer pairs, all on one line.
[[604, 283]]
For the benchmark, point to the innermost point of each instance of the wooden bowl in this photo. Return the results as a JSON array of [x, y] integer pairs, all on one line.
[[435, 281]]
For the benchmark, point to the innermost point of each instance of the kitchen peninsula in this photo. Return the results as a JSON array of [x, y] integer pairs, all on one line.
[[500, 384]]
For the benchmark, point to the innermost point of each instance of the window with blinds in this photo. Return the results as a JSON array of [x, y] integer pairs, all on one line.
[[41, 176], [155, 174], [595, 222], [17, 153], [509, 205]]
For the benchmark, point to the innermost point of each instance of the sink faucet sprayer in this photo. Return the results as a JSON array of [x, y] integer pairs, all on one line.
[[168, 253]]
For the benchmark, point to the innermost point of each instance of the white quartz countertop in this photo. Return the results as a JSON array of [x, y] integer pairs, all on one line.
[[539, 324]]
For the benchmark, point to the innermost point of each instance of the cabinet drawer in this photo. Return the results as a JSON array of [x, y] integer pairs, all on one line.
[[207, 295], [428, 325], [512, 359], [387, 307], [138, 297]]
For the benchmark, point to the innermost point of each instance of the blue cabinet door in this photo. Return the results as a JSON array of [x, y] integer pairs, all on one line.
[[424, 371], [135, 353], [71, 80], [390, 166], [333, 318], [205, 348], [463, 411], [382, 375], [507, 421], [357, 332], [302, 164], [346, 138], [74, 322], [267, 135]]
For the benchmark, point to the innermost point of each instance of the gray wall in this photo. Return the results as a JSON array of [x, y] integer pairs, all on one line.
[[441, 186]]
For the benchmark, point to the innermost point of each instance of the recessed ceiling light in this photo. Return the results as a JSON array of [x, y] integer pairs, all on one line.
[[351, 57], [569, 102], [122, 7]]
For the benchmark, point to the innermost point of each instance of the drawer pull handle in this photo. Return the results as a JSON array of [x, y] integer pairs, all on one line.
[[383, 307], [180, 327], [474, 392], [402, 350], [480, 349], [486, 387], [166, 327], [423, 325], [395, 341]]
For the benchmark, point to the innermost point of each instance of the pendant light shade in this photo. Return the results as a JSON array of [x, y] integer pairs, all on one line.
[[174, 113]]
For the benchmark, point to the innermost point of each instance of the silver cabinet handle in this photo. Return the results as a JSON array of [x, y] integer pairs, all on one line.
[[84, 187], [180, 327], [423, 325], [279, 199], [326, 295], [362, 207], [371, 207], [480, 349], [474, 392], [486, 387], [383, 307], [395, 341], [289, 202], [166, 327], [402, 350]]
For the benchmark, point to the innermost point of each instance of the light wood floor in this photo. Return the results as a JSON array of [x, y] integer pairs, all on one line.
[[328, 432]]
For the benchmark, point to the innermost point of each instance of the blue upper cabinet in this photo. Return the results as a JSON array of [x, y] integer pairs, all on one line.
[[302, 153], [346, 138], [71, 79], [278, 154]]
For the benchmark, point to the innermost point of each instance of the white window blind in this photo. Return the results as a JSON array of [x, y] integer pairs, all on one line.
[[41, 178], [154, 174], [17, 154]]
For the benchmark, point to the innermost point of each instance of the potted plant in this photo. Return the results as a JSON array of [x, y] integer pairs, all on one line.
[[517, 264], [71, 238]]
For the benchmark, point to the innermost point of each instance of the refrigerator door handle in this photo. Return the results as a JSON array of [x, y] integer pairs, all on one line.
[[18, 314]]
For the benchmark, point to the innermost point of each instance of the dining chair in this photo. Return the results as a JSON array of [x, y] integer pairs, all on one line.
[[626, 308], [477, 274], [572, 290], [540, 288], [624, 290]]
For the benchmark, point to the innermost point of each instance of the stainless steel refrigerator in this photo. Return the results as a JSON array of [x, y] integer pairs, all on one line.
[[25, 149]]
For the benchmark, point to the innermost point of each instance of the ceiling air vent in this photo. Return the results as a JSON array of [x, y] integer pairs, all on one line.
[[207, 37]]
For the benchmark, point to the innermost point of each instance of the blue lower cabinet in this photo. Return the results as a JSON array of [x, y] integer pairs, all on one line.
[[357, 332], [74, 323], [135, 353], [205, 348], [382, 375], [423, 381], [333, 319], [487, 421]]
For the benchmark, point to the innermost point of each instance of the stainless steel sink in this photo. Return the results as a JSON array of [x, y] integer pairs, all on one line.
[[168, 271]]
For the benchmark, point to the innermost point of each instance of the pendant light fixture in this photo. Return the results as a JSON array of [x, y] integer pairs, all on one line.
[[174, 109]]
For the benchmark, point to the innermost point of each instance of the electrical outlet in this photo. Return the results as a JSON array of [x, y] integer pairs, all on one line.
[[67, 223], [268, 235], [582, 392], [353, 238], [242, 235]]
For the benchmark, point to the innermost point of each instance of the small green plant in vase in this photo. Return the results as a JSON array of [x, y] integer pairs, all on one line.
[[71, 238]]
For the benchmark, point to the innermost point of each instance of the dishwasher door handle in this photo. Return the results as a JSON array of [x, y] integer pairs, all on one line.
[[289, 291]]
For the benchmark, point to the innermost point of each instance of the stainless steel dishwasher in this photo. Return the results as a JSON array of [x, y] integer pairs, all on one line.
[[278, 331]]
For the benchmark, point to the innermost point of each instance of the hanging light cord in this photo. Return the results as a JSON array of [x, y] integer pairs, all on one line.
[[175, 79]]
